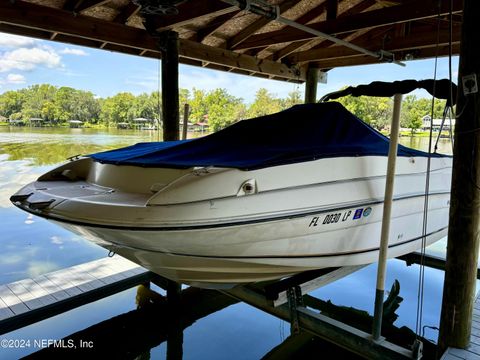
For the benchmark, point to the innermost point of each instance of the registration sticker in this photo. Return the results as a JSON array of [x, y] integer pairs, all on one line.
[[367, 211], [358, 214]]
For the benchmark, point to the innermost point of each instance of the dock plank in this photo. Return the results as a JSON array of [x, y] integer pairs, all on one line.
[[24, 295], [51, 288], [473, 350], [37, 292], [5, 311], [30, 300], [12, 300]]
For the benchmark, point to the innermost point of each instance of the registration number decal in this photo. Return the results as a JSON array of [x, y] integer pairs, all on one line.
[[342, 216]]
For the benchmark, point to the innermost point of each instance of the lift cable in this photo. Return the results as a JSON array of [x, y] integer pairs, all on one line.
[[449, 105], [272, 12]]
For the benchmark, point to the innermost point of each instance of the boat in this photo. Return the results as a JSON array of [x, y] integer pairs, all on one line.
[[262, 199]]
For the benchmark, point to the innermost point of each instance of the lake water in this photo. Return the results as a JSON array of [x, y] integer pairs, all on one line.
[[30, 246]]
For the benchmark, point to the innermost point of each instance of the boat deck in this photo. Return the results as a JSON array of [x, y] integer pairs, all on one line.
[[30, 300]]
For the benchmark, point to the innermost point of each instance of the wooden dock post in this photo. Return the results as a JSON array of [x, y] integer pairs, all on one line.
[[186, 111], [311, 85], [168, 43], [463, 234]]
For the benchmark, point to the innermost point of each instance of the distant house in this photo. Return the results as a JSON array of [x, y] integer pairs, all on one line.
[[19, 122], [36, 122], [436, 124], [201, 126], [123, 125], [75, 123], [143, 124]]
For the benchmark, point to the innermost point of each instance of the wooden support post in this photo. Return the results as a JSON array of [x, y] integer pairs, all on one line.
[[168, 44], [175, 328], [463, 232], [311, 85], [186, 111]]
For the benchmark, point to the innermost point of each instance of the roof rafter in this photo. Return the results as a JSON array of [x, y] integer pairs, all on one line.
[[213, 26], [126, 13], [412, 41], [81, 5], [364, 5], [364, 60], [128, 39], [192, 11], [413, 10], [257, 25]]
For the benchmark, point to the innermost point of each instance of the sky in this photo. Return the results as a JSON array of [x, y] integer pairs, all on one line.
[[27, 61]]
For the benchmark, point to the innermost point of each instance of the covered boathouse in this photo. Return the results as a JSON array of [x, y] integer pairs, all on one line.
[[293, 41]]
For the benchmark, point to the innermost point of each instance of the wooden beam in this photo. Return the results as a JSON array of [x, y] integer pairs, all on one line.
[[413, 10], [332, 9], [257, 25], [412, 41], [194, 50], [366, 60], [464, 219], [126, 13], [191, 11], [168, 44], [311, 85], [35, 17]]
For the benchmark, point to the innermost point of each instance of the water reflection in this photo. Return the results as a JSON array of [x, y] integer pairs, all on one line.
[[155, 321], [51, 146], [421, 143], [31, 246]]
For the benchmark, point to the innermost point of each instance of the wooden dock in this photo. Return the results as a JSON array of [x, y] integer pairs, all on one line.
[[472, 352], [30, 300]]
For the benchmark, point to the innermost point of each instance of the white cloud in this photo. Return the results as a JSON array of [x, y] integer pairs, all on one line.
[[27, 59], [57, 240], [15, 79], [37, 268], [70, 51], [15, 41]]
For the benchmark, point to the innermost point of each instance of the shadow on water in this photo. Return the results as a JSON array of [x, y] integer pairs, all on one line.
[[155, 320]]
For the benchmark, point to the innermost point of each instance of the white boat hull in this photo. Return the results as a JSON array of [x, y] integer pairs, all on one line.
[[205, 232]]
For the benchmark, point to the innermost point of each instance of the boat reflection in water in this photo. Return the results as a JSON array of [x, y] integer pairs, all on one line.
[[156, 320], [245, 204]]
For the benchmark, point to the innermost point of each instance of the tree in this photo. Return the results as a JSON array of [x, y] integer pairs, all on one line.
[[293, 98], [35, 96], [222, 108], [375, 111], [118, 108], [264, 104], [11, 103]]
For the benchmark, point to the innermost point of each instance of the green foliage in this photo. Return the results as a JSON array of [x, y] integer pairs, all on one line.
[[375, 111], [217, 107], [264, 104], [293, 98]]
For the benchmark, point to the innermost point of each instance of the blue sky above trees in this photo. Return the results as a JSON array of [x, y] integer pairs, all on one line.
[[25, 61]]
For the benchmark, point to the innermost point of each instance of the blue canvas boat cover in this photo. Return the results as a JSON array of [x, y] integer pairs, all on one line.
[[301, 133]]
